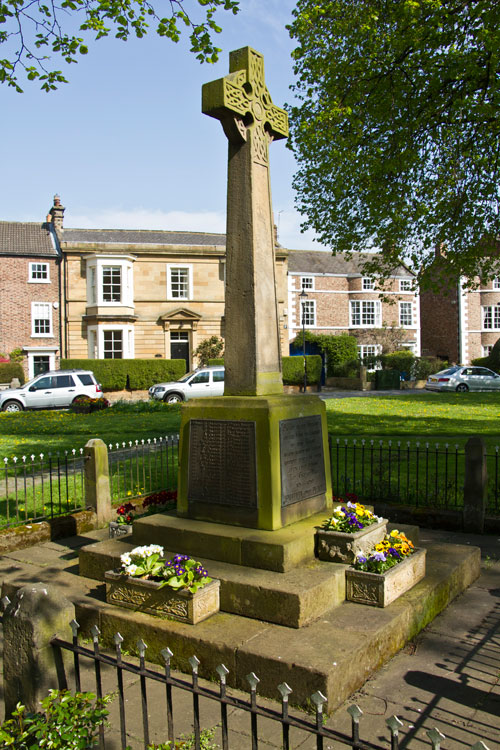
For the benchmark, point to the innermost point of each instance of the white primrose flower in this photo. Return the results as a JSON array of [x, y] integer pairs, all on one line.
[[131, 569], [125, 558]]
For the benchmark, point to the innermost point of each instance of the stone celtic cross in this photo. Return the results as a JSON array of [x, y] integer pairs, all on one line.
[[251, 121]]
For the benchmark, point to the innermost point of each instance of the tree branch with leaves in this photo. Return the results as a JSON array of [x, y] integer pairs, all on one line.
[[35, 31]]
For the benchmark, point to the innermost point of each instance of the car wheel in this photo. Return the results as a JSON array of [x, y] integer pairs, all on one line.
[[173, 398], [77, 399], [462, 388], [12, 406]]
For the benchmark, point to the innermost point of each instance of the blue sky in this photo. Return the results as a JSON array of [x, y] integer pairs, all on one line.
[[125, 144]]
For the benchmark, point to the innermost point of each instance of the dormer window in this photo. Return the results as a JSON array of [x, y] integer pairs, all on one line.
[[368, 284]]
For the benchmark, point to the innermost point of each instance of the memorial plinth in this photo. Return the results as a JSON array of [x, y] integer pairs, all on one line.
[[258, 462]]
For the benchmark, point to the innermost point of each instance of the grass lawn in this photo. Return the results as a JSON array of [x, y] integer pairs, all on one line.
[[430, 417], [58, 431]]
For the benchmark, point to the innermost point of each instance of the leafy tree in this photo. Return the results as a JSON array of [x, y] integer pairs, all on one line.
[[397, 129], [29, 28], [207, 349]]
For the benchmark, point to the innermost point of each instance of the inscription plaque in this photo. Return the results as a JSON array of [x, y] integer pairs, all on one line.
[[302, 459], [222, 463]]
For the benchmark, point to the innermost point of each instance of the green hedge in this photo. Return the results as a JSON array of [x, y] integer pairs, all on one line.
[[403, 361], [136, 374], [9, 370], [293, 369], [387, 380]]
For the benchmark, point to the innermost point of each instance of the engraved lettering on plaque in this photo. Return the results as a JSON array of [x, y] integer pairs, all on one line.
[[222, 463], [302, 459]]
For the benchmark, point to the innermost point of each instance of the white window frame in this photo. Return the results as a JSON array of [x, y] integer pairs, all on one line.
[[367, 284], [487, 350], [95, 268], [311, 304], [307, 283], [496, 282], [36, 316], [490, 315], [403, 316], [95, 340], [356, 309], [405, 285], [362, 353], [32, 267], [182, 266]]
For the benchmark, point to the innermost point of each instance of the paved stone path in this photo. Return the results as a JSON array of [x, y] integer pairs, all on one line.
[[448, 677]]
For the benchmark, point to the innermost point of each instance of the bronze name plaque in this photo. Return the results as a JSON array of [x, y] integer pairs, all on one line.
[[302, 459], [222, 463]]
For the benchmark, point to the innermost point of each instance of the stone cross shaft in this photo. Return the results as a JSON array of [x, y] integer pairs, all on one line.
[[251, 121]]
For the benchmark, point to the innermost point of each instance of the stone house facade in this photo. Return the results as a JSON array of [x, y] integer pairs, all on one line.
[[460, 324], [340, 299], [30, 297], [145, 293]]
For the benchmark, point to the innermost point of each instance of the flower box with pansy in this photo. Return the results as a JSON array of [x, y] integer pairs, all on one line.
[[391, 568], [351, 528], [179, 588]]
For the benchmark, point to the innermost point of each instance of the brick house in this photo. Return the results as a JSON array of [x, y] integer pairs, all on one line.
[[144, 293], [340, 299], [30, 303], [459, 324]]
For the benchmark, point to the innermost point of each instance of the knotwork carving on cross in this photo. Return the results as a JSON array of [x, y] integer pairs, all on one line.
[[242, 103]]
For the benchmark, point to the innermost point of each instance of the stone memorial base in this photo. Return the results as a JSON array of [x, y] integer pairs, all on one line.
[[260, 462]]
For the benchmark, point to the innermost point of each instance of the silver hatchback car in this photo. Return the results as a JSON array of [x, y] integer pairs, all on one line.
[[55, 389], [463, 379]]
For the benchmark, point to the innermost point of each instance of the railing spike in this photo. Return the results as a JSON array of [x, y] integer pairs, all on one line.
[[252, 680], [141, 647], [74, 625], [319, 699], [195, 663], [118, 639], [5, 602], [355, 712], [285, 691], [167, 654], [394, 725], [95, 633], [222, 671], [435, 737], [479, 746]]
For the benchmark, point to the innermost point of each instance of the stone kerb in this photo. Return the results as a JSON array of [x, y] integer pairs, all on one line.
[[31, 666], [97, 489]]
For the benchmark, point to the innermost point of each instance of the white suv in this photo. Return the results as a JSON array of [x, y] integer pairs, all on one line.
[[207, 381], [56, 389]]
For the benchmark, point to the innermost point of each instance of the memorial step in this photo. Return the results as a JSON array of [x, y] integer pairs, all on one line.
[[293, 599]]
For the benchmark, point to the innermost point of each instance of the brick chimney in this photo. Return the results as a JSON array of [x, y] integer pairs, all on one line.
[[56, 214]]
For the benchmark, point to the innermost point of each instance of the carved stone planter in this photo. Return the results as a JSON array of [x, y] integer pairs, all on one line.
[[380, 589], [147, 596], [119, 529], [340, 547]]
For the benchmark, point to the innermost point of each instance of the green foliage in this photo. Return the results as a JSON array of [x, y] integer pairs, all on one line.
[[66, 722], [217, 361], [403, 361], [387, 380], [425, 366], [40, 30], [209, 349], [339, 350], [187, 742], [492, 361], [16, 355], [9, 370], [397, 130], [293, 370], [136, 374]]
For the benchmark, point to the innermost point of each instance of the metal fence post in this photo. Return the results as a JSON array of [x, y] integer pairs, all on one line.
[[96, 472], [31, 666], [475, 486]]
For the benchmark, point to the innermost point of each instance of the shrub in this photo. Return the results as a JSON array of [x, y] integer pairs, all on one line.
[[87, 405], [16, 355], [66, 722], [9, 370], [219, 361], [293, 369], [492, 361], [425, 366], [136, 374], [402, 360], [208, 349], [338, 349]]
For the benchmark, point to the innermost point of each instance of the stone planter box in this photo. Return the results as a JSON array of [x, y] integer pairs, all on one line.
[[146, 596], [380, 589], [340, 547], [119, 529]]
